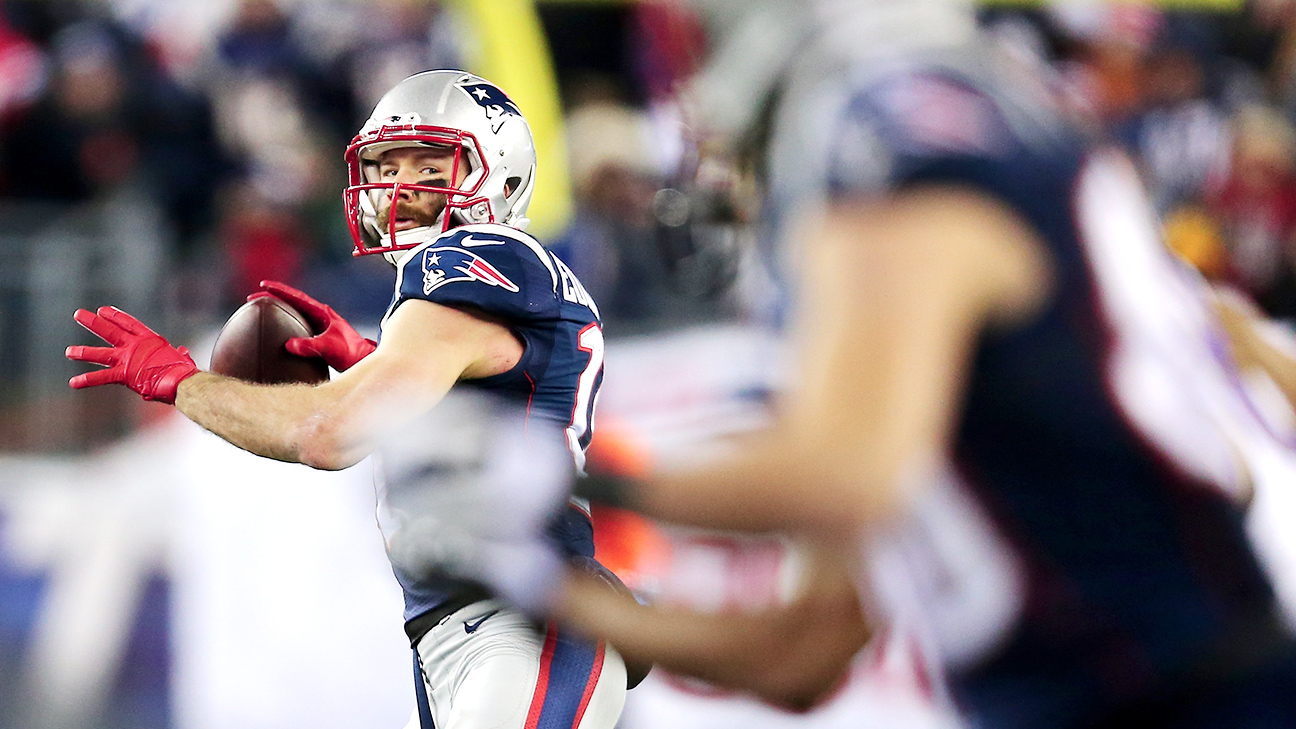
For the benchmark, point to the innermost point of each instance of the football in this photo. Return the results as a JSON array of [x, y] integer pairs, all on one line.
[[251, 345]]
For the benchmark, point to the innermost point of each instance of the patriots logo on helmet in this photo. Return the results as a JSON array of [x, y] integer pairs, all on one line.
[[497, 104], [447, 265]]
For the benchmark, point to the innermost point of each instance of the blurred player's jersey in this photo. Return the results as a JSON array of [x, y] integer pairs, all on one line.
[[505, 274], [1089, 527]]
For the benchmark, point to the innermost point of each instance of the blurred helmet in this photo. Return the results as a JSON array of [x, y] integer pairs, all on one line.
[[452, 110]]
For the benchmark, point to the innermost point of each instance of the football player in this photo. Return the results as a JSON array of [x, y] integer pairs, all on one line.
[[439, 181], [1012, 406]]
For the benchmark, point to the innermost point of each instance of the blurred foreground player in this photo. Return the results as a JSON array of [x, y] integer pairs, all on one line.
[[1012, 404], [440, 179]]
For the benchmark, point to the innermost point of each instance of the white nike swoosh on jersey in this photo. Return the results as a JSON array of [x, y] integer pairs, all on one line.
[[469, 242]]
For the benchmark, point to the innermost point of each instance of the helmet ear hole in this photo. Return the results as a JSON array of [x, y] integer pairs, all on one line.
[[511, 186]]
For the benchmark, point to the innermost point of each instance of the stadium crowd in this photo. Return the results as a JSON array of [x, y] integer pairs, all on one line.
[[231, 118], [238, 138]]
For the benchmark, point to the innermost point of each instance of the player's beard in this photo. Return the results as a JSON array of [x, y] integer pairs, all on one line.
[[423, 210]]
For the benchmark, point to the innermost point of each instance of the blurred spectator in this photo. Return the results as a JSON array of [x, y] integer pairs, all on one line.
[[670, 42], [343, 54], [261, 239], [1256, 206], [22, 70], [1180, 134], [264, 47], [265, 92], [1266, 39], [401, 38], [263, 85], [258, 41], [108, 120], [1113, 41], [611, 242], [261, 121], [80, 137]]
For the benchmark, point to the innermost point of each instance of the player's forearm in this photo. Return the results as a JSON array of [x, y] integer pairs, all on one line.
[[294, 423], [756, 494], [770, 484], [681, 641], [791, 655]]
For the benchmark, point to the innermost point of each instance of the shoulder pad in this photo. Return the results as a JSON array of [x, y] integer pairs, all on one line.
[[494, 268]]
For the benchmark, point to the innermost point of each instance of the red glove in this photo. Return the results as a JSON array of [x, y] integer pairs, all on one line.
[[140, 358], [337, 343]]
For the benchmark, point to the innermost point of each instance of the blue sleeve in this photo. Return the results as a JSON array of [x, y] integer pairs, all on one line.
[[491, 272]]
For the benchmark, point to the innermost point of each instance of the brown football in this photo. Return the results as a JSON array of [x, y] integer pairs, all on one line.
[[251, 345]]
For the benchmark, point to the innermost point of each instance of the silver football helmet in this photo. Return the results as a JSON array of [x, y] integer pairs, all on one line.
[[447, 109]]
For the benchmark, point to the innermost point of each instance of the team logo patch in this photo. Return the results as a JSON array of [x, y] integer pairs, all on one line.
[[497, 105], [447, 264]]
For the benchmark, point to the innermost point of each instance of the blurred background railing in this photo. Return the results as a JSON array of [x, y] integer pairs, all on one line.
[[58, 257]]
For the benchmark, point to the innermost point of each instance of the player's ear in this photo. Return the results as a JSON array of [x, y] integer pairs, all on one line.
[[510, 185]]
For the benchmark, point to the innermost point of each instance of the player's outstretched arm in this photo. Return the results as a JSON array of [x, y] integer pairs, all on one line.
[[894, 293], [793, 655], [426, 349]]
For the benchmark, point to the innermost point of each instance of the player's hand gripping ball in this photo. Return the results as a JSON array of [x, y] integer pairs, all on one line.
[[335, 340], [139, 357], [253, 344]]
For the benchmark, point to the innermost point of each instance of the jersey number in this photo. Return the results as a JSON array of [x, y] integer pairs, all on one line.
[[589, 340]]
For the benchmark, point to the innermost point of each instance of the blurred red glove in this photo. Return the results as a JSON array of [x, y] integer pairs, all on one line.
[[337, 343], [140, 358]]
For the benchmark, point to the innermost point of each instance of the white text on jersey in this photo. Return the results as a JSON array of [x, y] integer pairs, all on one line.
[[572, 290]]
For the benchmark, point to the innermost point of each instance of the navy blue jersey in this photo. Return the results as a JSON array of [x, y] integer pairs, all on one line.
[[504, 273], [1096, 473]]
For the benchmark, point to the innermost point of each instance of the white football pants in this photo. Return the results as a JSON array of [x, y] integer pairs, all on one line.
[[488, 667]]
